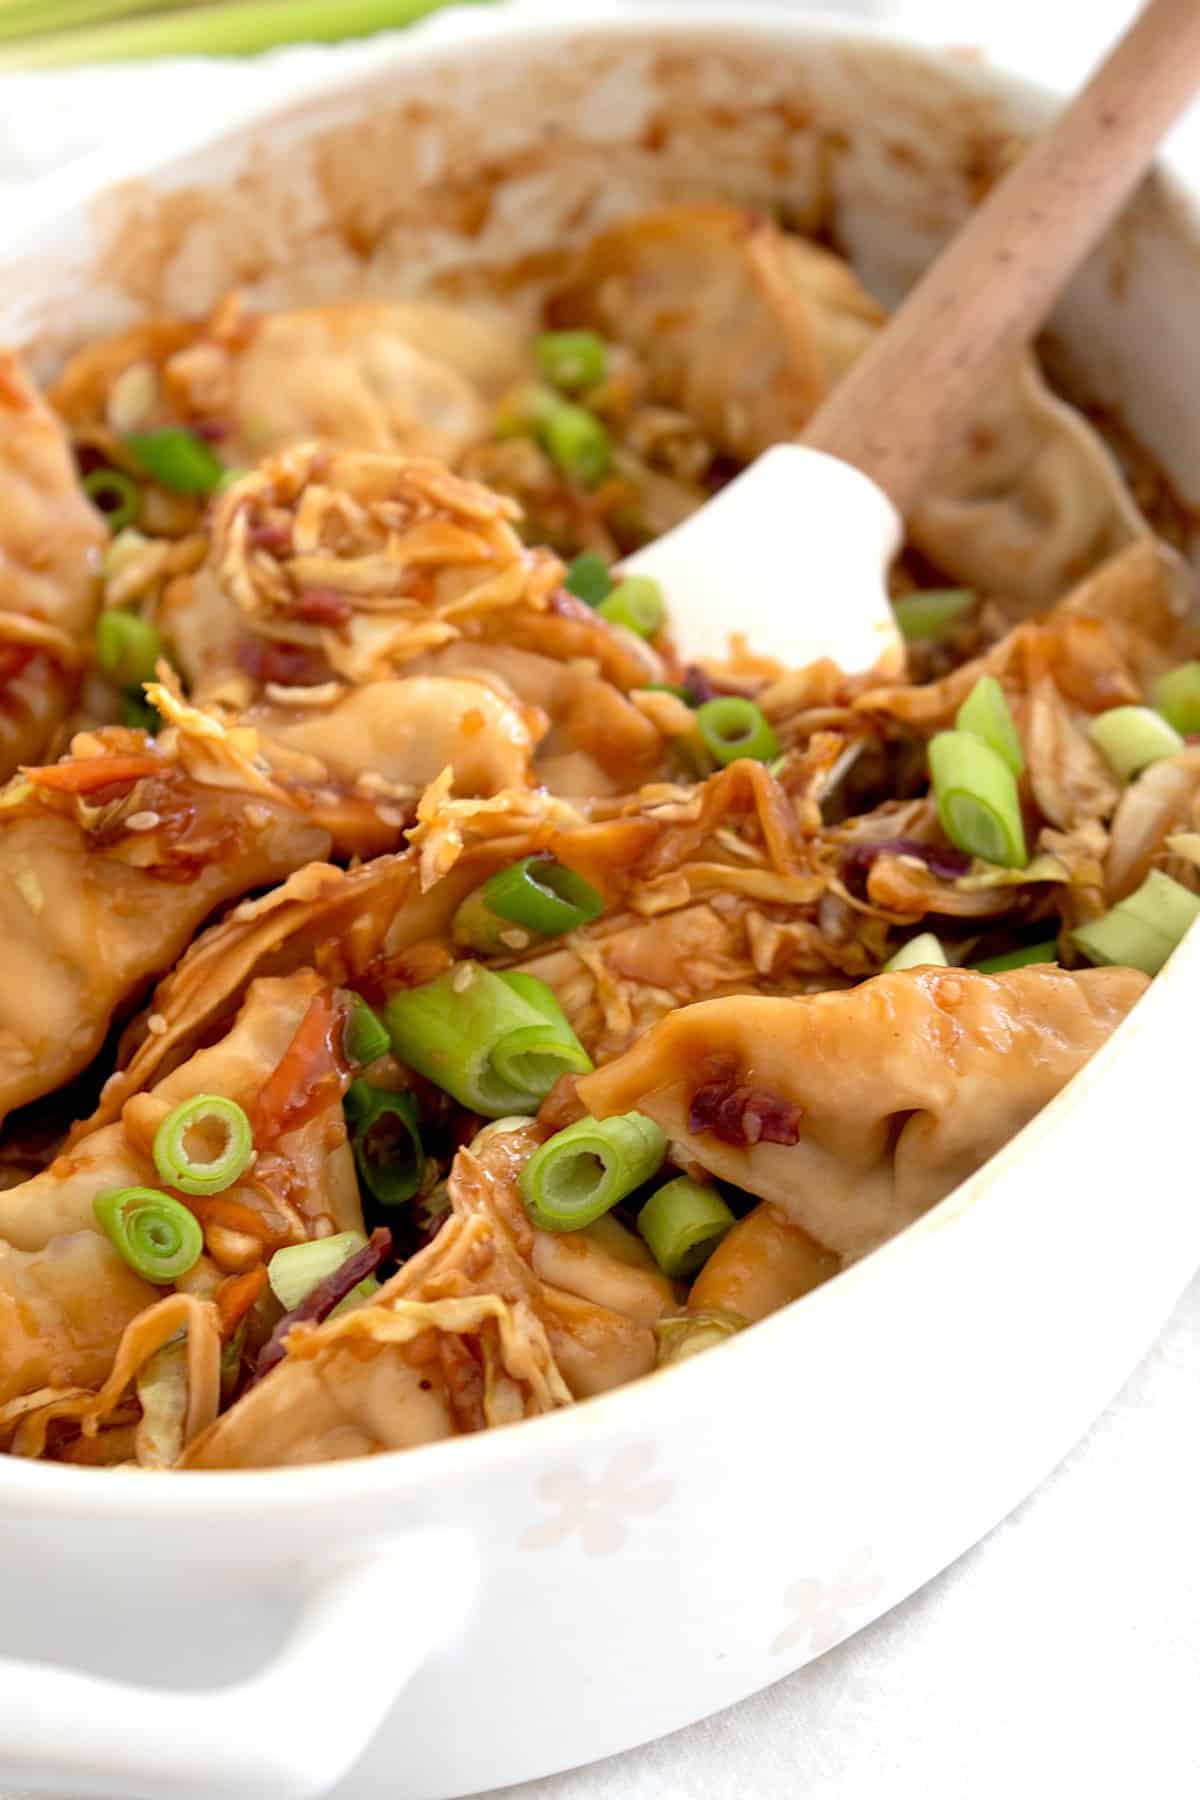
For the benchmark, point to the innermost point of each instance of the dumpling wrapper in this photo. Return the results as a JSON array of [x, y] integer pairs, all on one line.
[[885, 1096], [51, 540], [91, 910]]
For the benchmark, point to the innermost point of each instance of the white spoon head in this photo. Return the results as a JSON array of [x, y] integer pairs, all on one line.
[[793, 554]]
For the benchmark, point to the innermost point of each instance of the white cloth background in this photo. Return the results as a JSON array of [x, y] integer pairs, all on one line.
[[1061, 1657]]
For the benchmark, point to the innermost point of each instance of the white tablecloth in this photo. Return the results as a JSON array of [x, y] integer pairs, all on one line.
[[1062, 1656]]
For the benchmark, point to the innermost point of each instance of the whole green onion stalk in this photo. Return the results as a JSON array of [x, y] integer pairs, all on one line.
[[45, 35]]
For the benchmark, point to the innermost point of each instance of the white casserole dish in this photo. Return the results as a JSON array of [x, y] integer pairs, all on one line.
[[495, 1608]]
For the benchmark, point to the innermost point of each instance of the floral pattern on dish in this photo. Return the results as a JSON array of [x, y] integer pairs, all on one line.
[[600, 1510]]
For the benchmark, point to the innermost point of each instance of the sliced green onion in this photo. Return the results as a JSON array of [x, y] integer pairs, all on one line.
[[524, 410], [576, 440], [135, 711], [483, 1038], [921, 951], [731, 727], [366, 1036], [683, 1223], [927, 617], [985, 712], [296, 1270], [977, 801], [543, 895], [1019, 959], [1140, 932], [536, 1057], [210, 1115], [157, 1236], [127, 646], [115, 494], [669, 687], [1177, 697], [582, 1172], [638, 604], [177, 459], [570, 360], [588, 578], [386, 1139], [1133, 737]]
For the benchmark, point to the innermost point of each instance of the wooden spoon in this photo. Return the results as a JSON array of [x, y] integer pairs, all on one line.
[[828, 513]]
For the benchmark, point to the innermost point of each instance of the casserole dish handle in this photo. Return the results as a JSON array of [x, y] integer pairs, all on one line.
[[367, 1623]]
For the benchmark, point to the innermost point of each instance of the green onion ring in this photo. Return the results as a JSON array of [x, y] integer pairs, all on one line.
[[588, 578], [208, 1175], [1177, 697], [732, 727], [386, 1139], [977, 801], [127, 647], [683, 1223], [365, 1037], [638, 604], [985, 712], [157, 1236], [543, 895], [582, 1172], [571, 360], [177, 459], [102, 485]]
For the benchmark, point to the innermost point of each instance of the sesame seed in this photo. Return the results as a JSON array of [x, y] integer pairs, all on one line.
[[142, 821], [156, 1025], [257, 814], [515, 939], [391, 815], [462, 978]]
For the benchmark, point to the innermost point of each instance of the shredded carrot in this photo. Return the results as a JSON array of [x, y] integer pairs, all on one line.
[[308, 1077], [236, 1295], [94, 772]]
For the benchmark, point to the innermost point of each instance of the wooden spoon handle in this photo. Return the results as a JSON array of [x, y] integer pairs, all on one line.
[[915, 389]]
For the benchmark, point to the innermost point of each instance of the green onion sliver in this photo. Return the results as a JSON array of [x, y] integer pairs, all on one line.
[[985, 712], [638, 604], [571, 360], [115, 494], [157, 1236], [296, 1270], [928, 617], [543, 895], [682, 1224], [385, 1135], [480, 1037], [1141, 931], [576, 440], [588, 578], [127, 647], [210, 1117], [366, 1036], [582, 1172], [732, 727], [1046, 952], [1133, 737], [977, 802], [177, 459], [921, 951], [1177, 697]]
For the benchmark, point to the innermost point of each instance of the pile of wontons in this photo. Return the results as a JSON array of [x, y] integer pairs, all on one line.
[[374, 694]]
